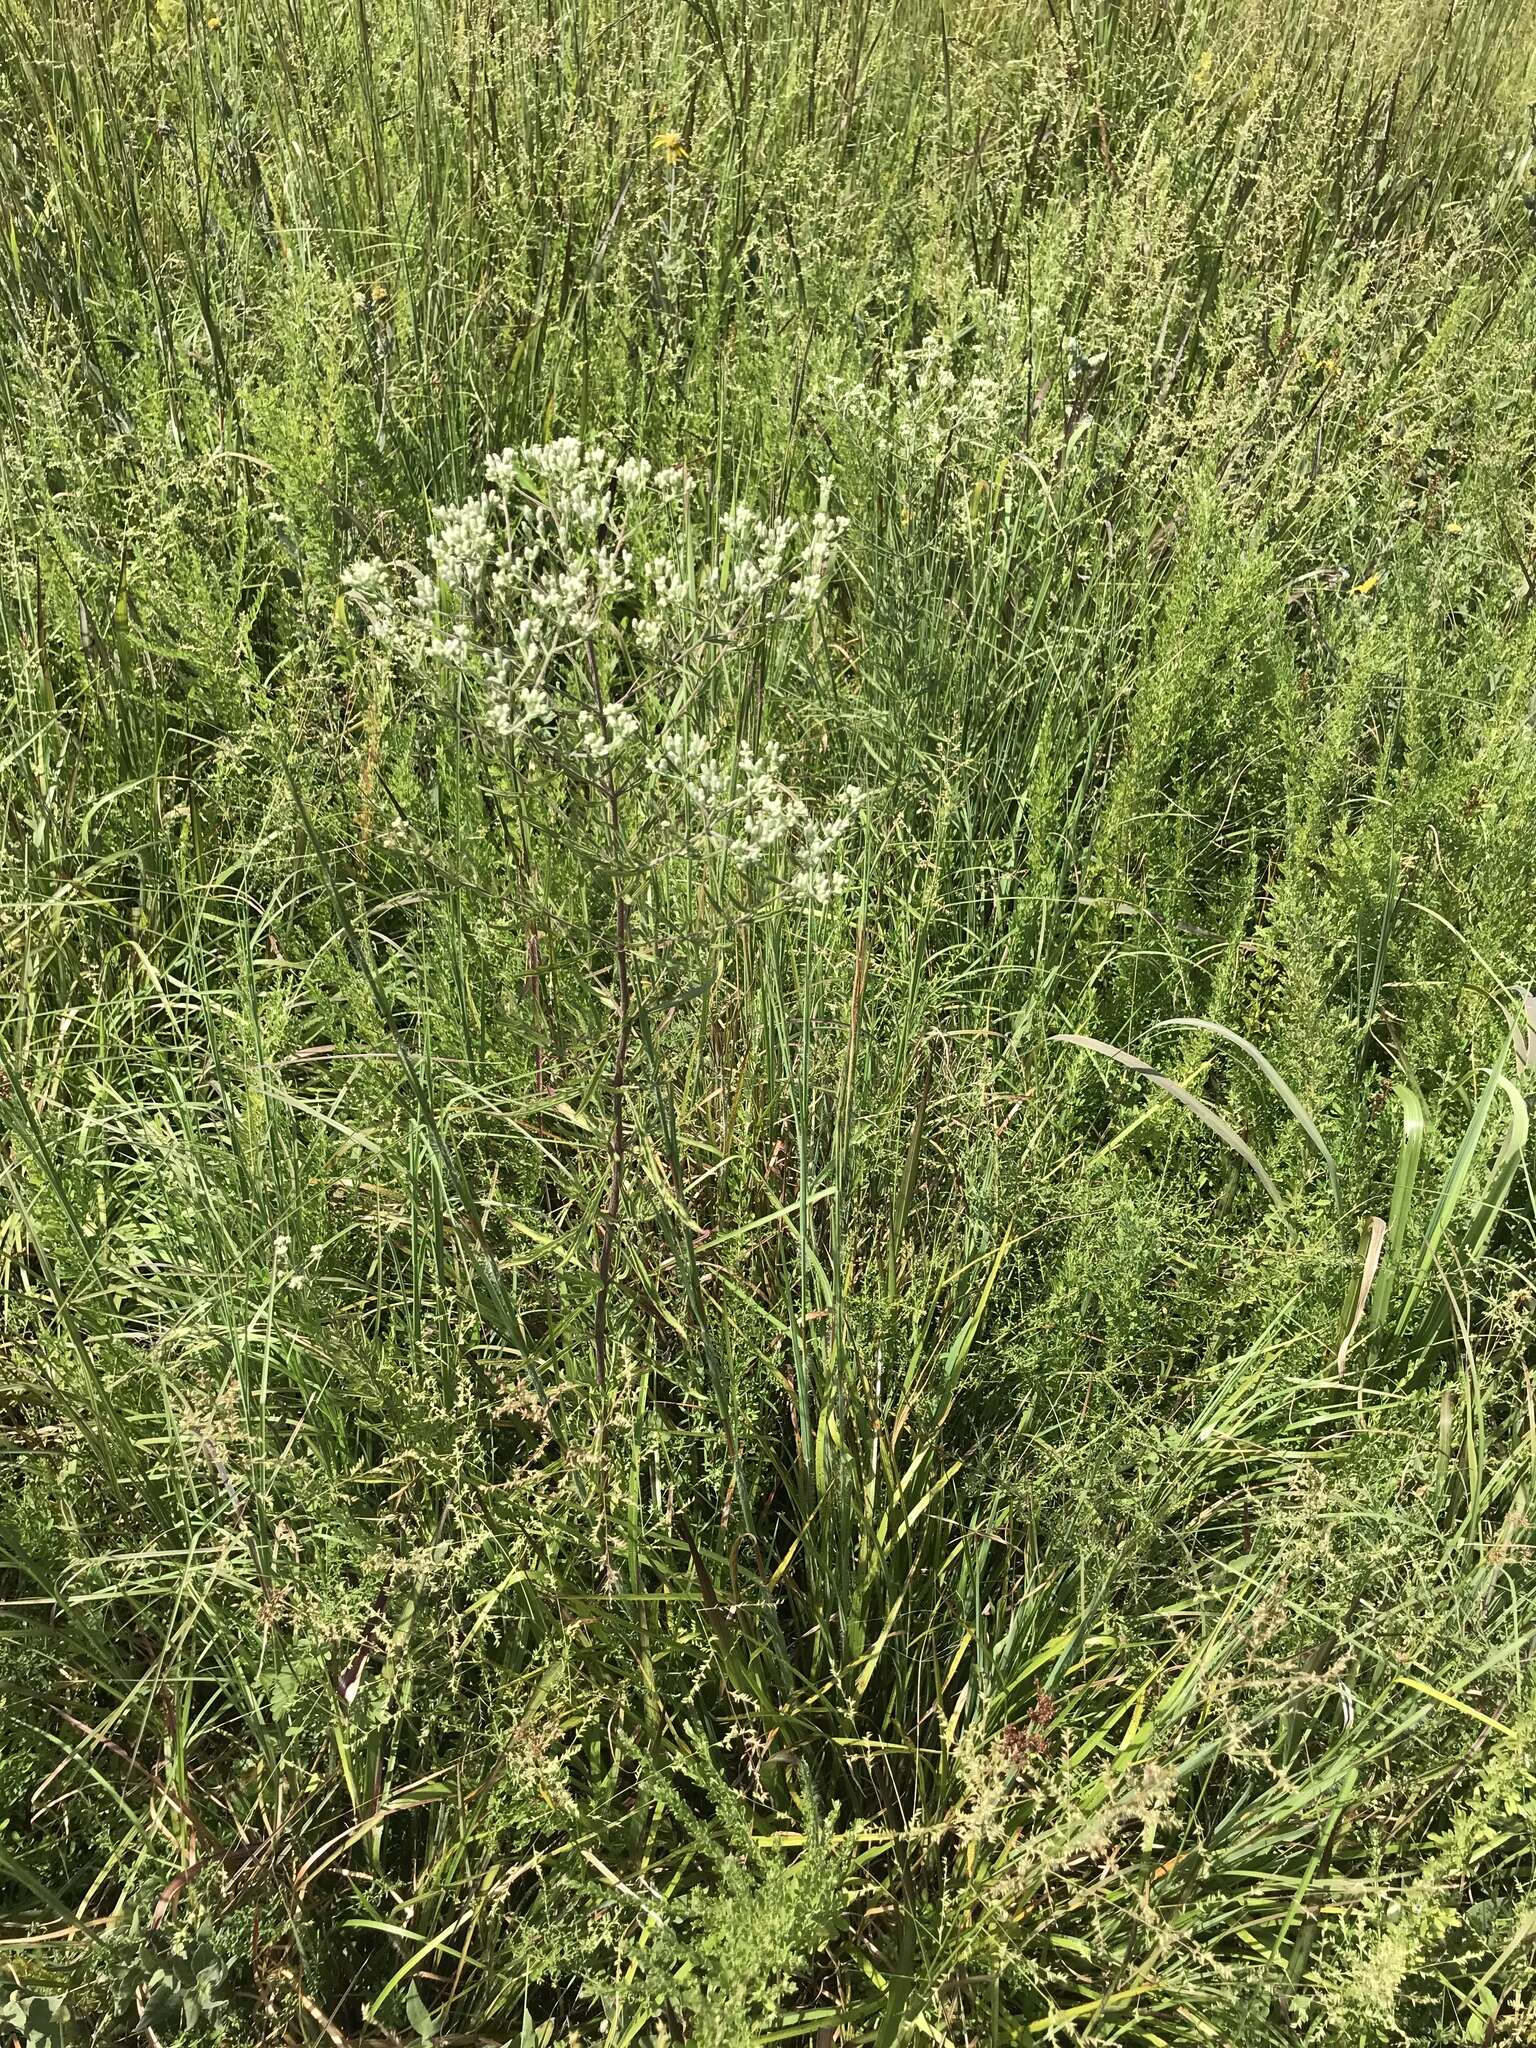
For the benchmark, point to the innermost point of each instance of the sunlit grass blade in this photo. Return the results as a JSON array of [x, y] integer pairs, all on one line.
[[1501, 1174], [1457, 1182], [1208, 1116], [1277, 1082], [1373, 1238], [1404, 1181]]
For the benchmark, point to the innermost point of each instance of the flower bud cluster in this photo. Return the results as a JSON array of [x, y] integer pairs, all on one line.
[[569, 581]]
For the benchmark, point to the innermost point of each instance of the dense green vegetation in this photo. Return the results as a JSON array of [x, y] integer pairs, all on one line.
[[611, 1433]]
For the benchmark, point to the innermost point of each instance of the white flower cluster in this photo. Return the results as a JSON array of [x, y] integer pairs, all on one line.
[[755, 553], [571, 579], [816, 556], [762, 555], [751, 813], [367, 584], [930, 407], [604, 735], [568, 549]]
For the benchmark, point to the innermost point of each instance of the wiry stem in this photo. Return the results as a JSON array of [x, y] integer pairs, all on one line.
[[613, 1204]]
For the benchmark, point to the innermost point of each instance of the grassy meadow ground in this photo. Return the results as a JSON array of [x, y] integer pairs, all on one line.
[[611, 1433]]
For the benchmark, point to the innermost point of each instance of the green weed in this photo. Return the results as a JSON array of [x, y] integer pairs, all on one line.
[[610, 1431]]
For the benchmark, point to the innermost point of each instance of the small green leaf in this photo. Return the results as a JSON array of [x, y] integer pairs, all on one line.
[[416, 2012]]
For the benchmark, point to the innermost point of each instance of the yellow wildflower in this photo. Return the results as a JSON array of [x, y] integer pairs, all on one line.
[[671, 145]]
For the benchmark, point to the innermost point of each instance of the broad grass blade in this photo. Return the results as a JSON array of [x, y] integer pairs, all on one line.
[[1457, 1177], [1409, 1152]]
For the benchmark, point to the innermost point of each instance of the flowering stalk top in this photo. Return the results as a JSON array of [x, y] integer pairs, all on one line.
[[572, 569]]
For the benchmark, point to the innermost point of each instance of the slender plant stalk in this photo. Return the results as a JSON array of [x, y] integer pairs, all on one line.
[[613, 1202]]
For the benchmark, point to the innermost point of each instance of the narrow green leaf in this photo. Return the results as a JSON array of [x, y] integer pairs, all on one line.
[[1501, 1175], [1276, 1081], [1192, 1103], [1404, 1181], [1452, 1190]]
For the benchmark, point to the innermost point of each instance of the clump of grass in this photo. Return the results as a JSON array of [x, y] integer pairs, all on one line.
[[613, 1432]]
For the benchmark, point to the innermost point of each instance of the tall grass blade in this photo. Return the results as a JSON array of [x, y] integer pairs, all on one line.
[[1404, 1181], [1458, 1179], [1276, 1081], [1208, 1116]]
